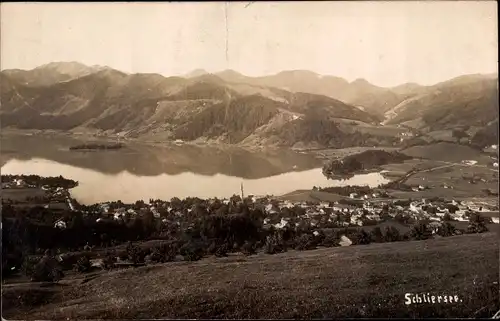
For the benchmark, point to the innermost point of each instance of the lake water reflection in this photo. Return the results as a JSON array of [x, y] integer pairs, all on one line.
[[144, 172], [99, 187]]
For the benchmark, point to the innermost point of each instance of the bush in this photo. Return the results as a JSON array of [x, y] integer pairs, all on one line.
[[476, 224], [305, 242], [156, 255], [446, 229], [218, 248], [28, 266], [169, 252], [83, 264], [123, 255], [192, 251], [135, 254], [109, 261], [47, 270], [392, 234], [330, 240], [274, 244], [361, 238], [420, 232], [249, 248], [377, 236]]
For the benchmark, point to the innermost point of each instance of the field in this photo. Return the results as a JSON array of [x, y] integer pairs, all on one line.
[[447, 152], [21, 194], [359, 281], [311, 196]]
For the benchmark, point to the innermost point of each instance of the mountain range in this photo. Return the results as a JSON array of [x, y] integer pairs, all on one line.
[[292, 108]]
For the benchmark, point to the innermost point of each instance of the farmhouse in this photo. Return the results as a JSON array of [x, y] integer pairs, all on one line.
[[345, 241], [60, 223]]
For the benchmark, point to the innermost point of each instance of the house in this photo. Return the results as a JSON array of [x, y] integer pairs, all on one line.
[[345, 241], [434, 227], [60, 224], [353, 195], [19, 183], [282, 224], [495, 220], [98, 263], [414, 208], [469, 162]]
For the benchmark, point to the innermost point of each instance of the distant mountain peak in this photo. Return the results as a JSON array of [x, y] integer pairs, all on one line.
[[196, 73], [360, 81], [230, 72], [298, 72]]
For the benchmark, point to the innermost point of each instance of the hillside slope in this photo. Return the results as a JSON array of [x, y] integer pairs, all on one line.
[[360, 92], [470, 100], [361, 281], [204, 107]]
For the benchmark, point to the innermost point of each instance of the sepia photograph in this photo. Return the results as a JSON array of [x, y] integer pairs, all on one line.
[[249, 160]]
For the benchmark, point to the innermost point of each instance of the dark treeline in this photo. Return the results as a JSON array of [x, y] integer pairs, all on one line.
[[369, 159], [39, 181], [97, 146]]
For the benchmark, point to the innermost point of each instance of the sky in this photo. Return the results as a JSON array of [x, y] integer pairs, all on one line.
[[386, 43]]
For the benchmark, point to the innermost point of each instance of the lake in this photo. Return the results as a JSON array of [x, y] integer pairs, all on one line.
[[142, 171]]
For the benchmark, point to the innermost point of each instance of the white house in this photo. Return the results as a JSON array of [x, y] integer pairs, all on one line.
[[60, 224], [414, 208], [281, 224], [469, 162], [496, 220], [353, 195], [324, 204], [345, 241]]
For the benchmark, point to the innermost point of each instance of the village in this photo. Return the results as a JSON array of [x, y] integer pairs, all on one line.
[[355, 211]]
